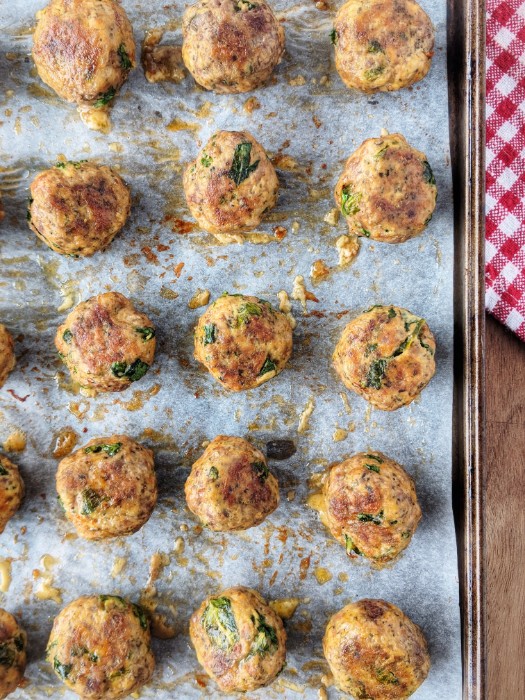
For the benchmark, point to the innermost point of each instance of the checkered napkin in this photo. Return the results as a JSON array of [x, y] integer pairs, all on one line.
[[505, 208]]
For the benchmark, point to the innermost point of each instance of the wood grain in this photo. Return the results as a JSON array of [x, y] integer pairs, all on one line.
[[505, 513]]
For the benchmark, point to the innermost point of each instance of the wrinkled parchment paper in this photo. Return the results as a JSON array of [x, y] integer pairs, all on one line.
[[308, 116]]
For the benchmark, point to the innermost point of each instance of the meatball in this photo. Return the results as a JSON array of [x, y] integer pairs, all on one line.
[[100, 647], [105, 343], [386, 355], [108, 488], [7, 354], [77, 208], [382, 45], [243, 341], [239, 640], [231, 45], [387, 190], [12, 654], [375, 651], [230, 486], [231, 184], [371, 506], [11, 491], [84, 49]]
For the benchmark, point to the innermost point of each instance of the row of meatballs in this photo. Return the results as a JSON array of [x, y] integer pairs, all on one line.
[[385, 355], [84, 49], [100, 646], [387, 192]]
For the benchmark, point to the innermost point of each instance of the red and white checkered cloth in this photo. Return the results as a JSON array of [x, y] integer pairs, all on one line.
[[505, 208]]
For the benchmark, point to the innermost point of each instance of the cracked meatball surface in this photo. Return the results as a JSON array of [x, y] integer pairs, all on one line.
[[243, 341], [371, 506], [375, 651], [84, 49], [11, 491], [382, 45], [231, 184], [239, 640], [108, 488], [13, 642], [231, 46], [230, 486], [7, 354], [100, 647], [387, 190], [77, 208], [386, 355], [105, 343]]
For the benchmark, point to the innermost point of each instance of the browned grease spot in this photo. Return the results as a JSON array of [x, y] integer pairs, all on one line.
[[161, 63], [303, 567], [180, 226], [65, 441], [15, 442], [139, 398]]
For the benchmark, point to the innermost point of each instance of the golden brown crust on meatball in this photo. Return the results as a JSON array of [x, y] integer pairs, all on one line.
[[375, 651], [78, 208], [386, 355], [230, 486], [239, 640], [100, 647], [371, 506], [13, 642], [105, 343], [231, 46], [243, 341], [84, 49], [108, 488], [11, 491], [387, 190], [231, 184], [7, 354], [382, 45]]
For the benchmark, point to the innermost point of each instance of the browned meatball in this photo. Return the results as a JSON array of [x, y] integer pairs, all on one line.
[[100, 647], [239, 640], [7, 354], [371, 506], [231, 184], [105, 343], [375, 651], [12, 654], [243, 341], [108, 488], [386, 355], [11, 491], [230, 486], [382, 45], [84, 49], [387, 190], [231, 45], [77, 208]]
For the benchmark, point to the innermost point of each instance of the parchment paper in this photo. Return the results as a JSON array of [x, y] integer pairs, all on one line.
[[35, 128]]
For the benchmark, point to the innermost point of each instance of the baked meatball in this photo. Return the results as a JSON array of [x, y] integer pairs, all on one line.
[[11, 491], [108, 488], [375, 651], [230, 486], [239, 640], [231, 184], [100, 647], [243, 341], [386, 355], [387, 190], [382, 45], [12, 653], [231, 45], [7, 354], [371, 506], [77, 208], [84, 49], [105, 343]]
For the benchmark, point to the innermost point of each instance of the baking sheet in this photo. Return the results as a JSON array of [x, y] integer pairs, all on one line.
[[177, 405]]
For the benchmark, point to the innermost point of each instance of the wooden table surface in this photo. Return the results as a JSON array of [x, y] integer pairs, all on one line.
[[505, 514]]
